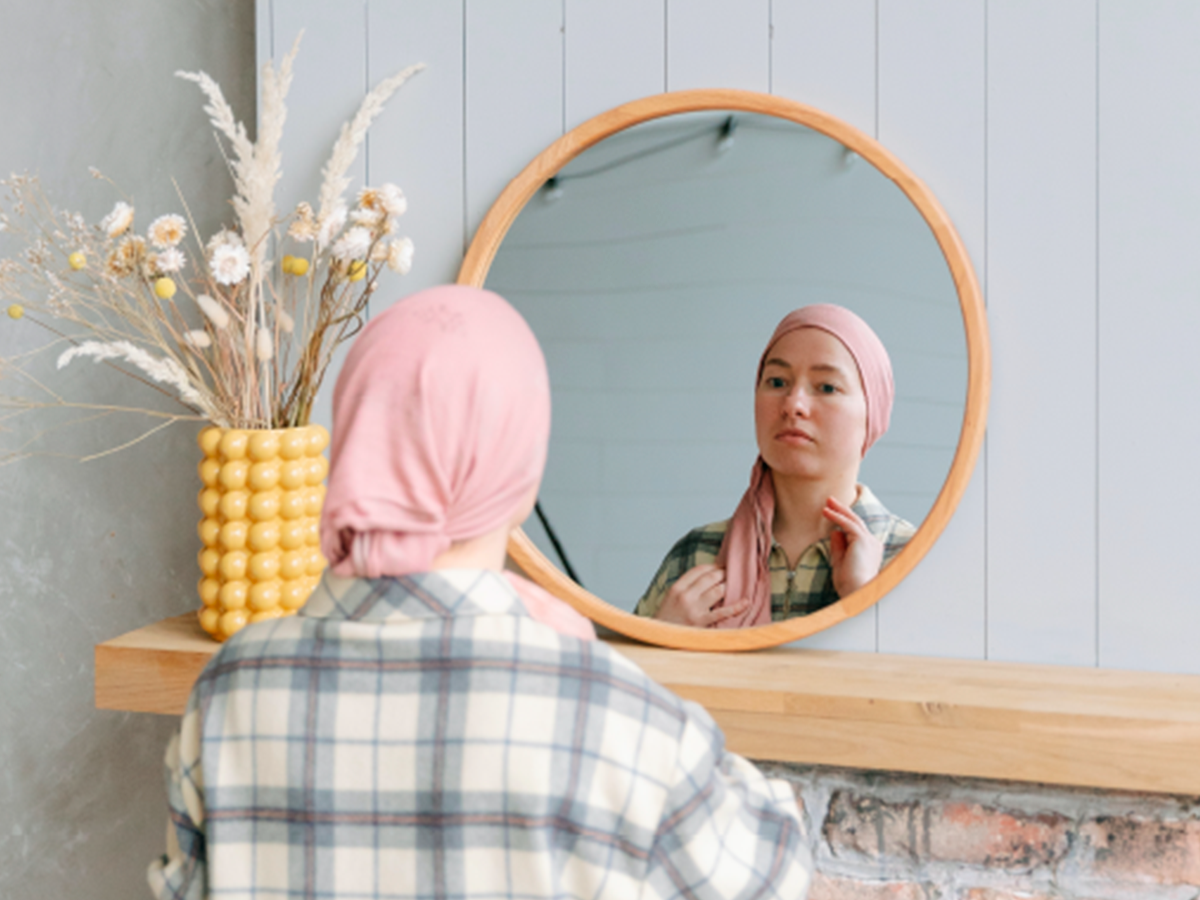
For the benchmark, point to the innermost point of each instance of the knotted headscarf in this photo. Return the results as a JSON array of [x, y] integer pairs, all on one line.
[[441, 423], [746, 549]]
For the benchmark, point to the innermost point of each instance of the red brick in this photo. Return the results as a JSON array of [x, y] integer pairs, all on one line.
[[1144, 850], [966, 833], [826, 888]]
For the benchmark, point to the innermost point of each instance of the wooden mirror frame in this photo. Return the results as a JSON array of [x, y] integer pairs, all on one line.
[[549, 162]]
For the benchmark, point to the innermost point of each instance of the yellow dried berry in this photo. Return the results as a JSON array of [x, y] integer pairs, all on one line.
[[358, 270], [164, 288], [77, 260], [299, 266], [286, 264], [16, 311]]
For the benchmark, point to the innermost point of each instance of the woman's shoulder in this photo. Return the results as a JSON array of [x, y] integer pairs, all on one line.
[[704, 540]]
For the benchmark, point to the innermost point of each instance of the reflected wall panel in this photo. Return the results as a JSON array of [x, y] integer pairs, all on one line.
[[1041, 158], [718, 43], [931, 115], [1149, 75], [614, 52]]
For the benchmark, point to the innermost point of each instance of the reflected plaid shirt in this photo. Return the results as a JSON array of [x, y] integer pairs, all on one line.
[[794, 592], [422, 737]]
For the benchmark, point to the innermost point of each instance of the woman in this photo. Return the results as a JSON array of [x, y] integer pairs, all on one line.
[[806, 532], [415, 731]]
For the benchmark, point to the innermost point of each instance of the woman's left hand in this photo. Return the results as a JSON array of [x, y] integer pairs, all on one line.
[[856, 555]]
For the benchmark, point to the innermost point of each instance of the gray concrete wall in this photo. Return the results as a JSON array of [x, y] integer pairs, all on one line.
[[88, 551]]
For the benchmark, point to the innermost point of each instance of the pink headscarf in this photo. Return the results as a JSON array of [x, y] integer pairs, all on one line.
[[746, 549], [441, 422]]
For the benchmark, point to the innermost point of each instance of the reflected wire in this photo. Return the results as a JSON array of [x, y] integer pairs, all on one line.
[[558, 547]]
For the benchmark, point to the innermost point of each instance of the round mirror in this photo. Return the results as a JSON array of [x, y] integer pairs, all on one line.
[[652, 250]]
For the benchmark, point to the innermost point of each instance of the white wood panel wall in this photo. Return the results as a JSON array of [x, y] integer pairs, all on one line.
[[1061, 139]]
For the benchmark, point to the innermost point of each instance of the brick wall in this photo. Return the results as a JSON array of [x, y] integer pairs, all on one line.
[[894, 836]]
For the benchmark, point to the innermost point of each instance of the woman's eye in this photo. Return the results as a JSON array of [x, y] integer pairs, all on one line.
[[774, 381], [827, 388]]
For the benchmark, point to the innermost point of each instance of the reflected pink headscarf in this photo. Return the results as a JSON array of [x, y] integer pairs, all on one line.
[[441, 422], [746, 549]]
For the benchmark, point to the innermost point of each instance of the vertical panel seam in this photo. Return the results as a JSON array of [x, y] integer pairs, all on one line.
[[1096, 425], [666, 45], [366, 20], [986, 276], [366, 11], [875, 103], [770, 46], [465, 89], [562, 53], [877, 68]]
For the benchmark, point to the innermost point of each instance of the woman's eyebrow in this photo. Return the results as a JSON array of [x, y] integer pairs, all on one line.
[[826, 367], [776, 361]]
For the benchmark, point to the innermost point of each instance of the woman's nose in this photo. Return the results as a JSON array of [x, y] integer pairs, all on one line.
[[798, 401]]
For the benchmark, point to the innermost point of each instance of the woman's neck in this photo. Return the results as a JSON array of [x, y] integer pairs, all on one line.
[[487, 551], [798, 505]]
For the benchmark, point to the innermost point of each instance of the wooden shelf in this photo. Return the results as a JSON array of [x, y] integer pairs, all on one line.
[[1055, 724]]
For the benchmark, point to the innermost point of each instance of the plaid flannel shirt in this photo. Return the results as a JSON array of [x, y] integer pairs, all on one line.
[[422, 737], [794, 592]]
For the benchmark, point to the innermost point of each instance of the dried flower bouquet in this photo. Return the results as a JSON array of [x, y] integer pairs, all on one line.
[[237, 331]]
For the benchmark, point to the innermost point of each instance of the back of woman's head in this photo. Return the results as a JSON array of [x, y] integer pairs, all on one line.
[[441, 421]]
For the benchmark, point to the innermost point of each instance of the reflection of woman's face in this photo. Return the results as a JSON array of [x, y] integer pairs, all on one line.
[[810, 412]]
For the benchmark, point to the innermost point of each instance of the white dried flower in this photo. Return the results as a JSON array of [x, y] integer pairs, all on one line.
[[167, 231], [213, 310], [118, 221], [400, 256], [169, 260], [94, 172], [198, 339], [304, 225], [223, 238], [371, 218], [127, 257], [354, 244], [331, 224], [392, 199], [264, 347], [286, 322], [230, 263], [3, 223]]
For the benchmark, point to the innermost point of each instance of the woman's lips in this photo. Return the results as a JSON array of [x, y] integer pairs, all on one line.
[[794, 436]]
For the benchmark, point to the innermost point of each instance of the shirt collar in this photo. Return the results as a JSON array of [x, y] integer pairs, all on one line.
[[423, 595], [868, 508]]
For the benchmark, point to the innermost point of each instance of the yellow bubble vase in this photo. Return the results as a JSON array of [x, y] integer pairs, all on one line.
[[261, 502]]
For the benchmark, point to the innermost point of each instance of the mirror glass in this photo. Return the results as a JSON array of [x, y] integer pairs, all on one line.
[[654, 267]]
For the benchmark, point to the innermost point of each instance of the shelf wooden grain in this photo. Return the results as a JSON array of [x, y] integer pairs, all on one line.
[[1054, 724]]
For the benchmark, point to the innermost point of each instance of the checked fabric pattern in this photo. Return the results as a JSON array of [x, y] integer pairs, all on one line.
[[422, 737], [797, 592]]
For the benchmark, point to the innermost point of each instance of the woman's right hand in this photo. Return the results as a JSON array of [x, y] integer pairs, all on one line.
[[690, 600]]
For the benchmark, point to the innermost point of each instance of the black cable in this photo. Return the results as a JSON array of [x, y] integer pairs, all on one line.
[[725, 129], [558, 548]]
